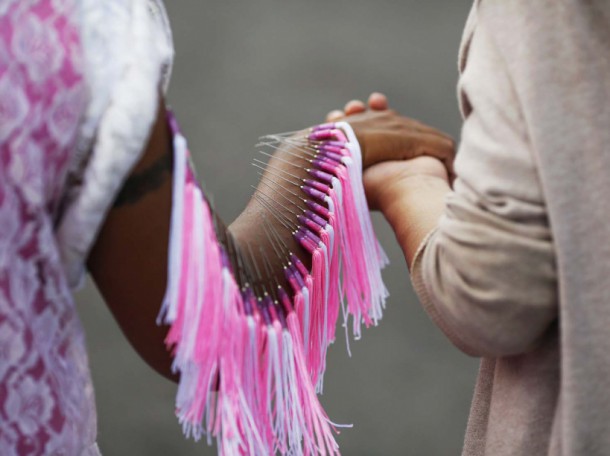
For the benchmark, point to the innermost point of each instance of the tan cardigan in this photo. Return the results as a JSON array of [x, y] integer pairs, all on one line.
[[518, 271]]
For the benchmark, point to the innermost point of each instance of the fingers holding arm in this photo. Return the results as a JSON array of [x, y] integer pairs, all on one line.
[[385, 135]]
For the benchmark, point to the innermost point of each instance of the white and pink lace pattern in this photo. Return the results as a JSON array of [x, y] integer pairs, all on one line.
[[46, 397], [76, 106]]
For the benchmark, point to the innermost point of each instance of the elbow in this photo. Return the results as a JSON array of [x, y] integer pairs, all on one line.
[[493, 292], [495, 326]]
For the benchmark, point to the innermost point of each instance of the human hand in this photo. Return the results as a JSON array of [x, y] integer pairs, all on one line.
[[385, 135]]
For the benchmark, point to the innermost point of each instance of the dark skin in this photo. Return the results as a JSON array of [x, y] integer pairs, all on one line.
[[128, 261]]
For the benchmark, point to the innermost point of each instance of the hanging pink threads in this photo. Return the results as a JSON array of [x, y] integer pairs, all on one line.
[[251, 355]]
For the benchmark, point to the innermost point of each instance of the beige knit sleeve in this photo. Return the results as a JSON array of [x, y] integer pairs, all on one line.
[[486, 275]]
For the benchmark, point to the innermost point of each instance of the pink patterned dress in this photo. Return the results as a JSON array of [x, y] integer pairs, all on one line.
[[54, 100], [46, 398]]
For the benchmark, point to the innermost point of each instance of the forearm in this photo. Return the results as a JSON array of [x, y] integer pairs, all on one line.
[[488, 285], [274, 195], [413, 209]]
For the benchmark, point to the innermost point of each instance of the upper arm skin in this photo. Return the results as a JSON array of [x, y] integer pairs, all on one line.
[[128, 261], [487, 275]]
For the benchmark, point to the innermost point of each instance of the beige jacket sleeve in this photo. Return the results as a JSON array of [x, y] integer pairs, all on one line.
[[486, 275]]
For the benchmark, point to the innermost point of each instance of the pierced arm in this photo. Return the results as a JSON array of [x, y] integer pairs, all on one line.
[[128, 261]]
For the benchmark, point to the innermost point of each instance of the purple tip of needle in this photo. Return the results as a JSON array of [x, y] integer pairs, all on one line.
[[324, 126]]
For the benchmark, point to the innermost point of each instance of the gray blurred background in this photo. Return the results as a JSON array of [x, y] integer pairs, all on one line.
[[249, 67]]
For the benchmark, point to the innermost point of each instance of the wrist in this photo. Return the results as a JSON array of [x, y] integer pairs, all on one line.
[[409, 188], [413, 209]]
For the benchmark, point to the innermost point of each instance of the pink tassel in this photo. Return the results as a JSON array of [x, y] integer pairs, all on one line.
[[249, 370], [377, 259], [319, 432], [334, 297]]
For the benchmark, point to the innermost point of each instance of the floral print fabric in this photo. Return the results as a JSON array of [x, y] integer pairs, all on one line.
[[46, 397]]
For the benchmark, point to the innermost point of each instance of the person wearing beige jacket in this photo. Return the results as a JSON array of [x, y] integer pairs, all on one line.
[[512, 261]]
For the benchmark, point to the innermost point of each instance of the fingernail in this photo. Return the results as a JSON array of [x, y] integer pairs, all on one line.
[[335, 113]]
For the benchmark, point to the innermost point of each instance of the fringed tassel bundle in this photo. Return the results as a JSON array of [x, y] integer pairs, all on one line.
[[251, 356]]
